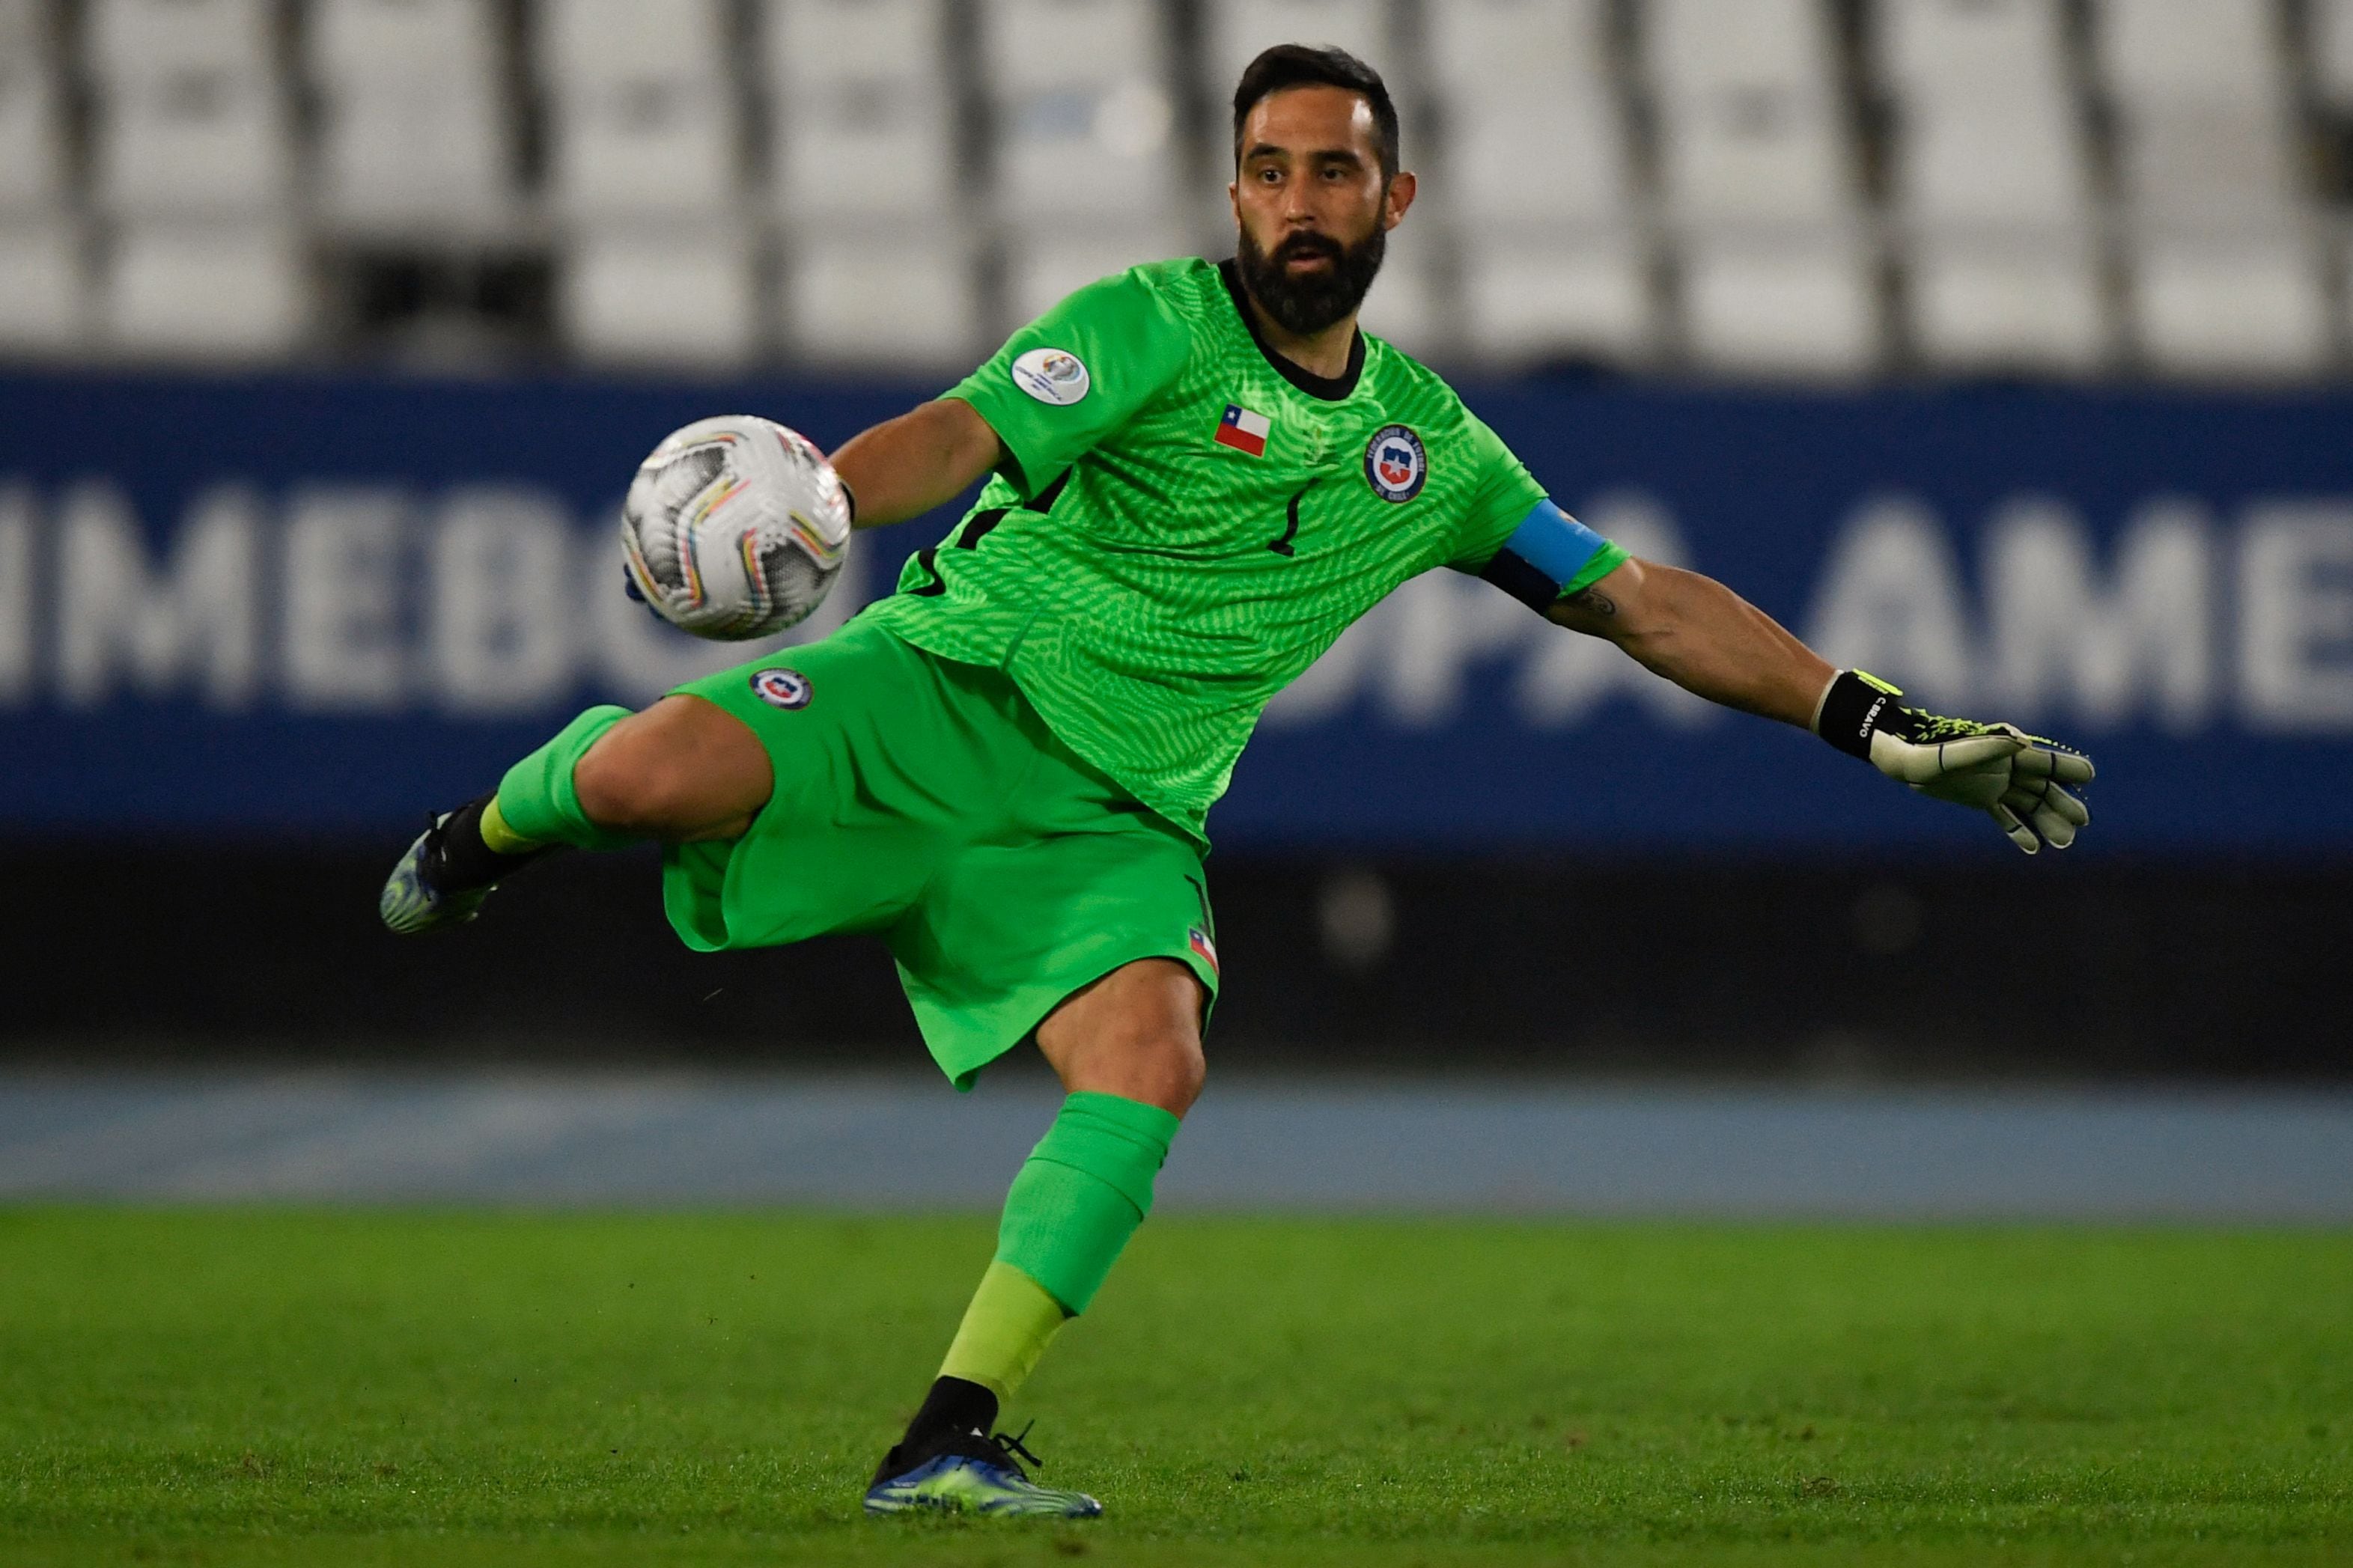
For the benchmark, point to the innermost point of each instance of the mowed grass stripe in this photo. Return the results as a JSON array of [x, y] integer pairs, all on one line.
[[266, 1386]]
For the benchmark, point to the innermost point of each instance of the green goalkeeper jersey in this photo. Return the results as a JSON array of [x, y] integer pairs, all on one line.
[[1185, 519]]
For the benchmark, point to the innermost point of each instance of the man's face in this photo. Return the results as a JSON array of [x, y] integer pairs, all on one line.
[[1312, 208]]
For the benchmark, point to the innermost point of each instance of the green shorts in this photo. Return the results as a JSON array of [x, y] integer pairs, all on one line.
[[924, 800]]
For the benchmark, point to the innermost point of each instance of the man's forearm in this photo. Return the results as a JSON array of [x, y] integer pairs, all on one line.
[[903, 468], [1705, 639]]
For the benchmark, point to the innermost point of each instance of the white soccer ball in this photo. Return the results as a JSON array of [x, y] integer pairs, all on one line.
[[734, 528]]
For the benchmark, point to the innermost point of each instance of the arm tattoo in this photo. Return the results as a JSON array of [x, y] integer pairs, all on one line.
[[1592, 601]]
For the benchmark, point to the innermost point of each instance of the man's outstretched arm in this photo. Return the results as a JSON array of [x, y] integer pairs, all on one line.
[[1703, 637], [903, 468], [1707, 640]]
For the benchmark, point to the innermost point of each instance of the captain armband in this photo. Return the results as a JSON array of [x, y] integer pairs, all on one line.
[[1545, 555]]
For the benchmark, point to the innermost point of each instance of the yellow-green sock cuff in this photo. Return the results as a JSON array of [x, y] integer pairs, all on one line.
[[498, 838], [1011, 1321]]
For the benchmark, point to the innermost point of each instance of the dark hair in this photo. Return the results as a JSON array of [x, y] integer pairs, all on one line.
[[1296, 64]]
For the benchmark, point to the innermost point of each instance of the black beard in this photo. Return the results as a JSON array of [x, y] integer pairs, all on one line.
[[1306, 305]]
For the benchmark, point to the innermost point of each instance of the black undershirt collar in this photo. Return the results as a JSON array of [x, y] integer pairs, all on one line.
[[1330, 388]]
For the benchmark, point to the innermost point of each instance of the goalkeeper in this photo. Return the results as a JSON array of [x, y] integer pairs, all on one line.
[[1199, 476]]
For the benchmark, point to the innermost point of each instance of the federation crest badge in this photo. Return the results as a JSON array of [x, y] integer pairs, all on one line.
[[1053, 376], [786, 689], [1395, 464]]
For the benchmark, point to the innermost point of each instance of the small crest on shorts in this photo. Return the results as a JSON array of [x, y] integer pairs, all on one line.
[[782, 687], [1207, 949], [1395, 463]]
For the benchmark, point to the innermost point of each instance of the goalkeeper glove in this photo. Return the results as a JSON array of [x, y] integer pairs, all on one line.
[[2022, 781]]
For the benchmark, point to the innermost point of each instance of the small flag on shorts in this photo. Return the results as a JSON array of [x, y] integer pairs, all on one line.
[[1244, 431], [1206, 948]]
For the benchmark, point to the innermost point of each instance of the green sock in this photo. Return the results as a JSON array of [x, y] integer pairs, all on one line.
[[1082, 1193], [536, 799]]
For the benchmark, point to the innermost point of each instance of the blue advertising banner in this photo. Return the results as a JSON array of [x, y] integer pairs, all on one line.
[[327, 605]]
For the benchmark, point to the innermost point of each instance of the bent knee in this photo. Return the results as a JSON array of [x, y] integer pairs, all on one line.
[[1163, 1067], [672, 772]]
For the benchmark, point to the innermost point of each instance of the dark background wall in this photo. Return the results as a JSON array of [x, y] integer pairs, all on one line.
[[2053, 968]]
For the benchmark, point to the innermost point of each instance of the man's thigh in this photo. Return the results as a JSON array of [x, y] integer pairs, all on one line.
[[1006, 933], [865, 765]]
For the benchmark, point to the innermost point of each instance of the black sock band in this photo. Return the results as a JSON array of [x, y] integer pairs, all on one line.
[[953, 1405], [464, 861], [1851, 708]]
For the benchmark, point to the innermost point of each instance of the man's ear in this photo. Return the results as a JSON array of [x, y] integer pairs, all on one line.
[[1398, 196]]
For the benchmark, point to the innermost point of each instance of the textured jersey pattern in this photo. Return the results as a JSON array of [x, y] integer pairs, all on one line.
[[1150, 585]]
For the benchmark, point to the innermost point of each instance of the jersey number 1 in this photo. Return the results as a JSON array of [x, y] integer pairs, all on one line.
[[1291, 525]]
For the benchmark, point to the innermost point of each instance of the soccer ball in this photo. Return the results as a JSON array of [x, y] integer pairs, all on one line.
[[734, 528]]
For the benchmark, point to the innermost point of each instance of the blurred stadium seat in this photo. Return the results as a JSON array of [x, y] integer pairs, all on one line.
[[861, 114], [44, 303], [1990, 186], [222, 290], [904, 303], [1235, 31], [663, 293], [1964, 186], [414, 130], [132, 41], [1085, 125], [2224, 271]]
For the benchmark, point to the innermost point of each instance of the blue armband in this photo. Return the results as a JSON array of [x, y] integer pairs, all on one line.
[[1543, 556]]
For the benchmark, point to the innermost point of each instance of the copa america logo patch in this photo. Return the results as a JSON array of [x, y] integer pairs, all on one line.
[[1395, 464], [1051, 375], [782, 687]]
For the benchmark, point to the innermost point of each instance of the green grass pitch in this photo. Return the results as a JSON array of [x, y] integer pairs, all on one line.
[[268, 1387]]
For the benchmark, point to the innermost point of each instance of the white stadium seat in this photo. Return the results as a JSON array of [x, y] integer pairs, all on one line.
[[1088, 152], [127, 42], [2018, 162], [1767, 156], [594, 44], [199, 143], [807, 46], [44, 307], [1796, 307], [1481, 46], [1084, 121], [1235, 32], [370, 45], [1535, 300], [1709, 47], [32, 146], [1041, 269], [1970, 50], [1037, 46], [645, 148], [659, 296], [206, 291], [1408, 305], [1522, 153], [906, 301], [2206, 165], [2230, 307], [2329, 37], [2161, 51], [864, 150], [2009, 304], [401, 162]]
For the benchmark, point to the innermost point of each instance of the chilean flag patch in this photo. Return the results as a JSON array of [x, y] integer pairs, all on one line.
[[1244, 431], [1205, 948]]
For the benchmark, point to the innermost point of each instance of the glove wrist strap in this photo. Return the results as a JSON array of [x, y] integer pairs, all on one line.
[[1852, 709]]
